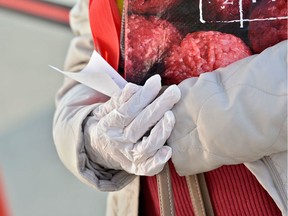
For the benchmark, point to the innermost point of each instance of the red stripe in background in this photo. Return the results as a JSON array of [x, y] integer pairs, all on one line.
[[3, 202], [39, 9]]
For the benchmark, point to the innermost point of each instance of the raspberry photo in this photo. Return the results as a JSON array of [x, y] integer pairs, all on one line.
[[151, 6], [266, 33], [202, 52], [147, 40]]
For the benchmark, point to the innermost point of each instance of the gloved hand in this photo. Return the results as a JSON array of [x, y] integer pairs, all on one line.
[[117, 128]]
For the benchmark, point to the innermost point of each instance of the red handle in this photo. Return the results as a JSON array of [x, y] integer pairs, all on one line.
[[105, 22]]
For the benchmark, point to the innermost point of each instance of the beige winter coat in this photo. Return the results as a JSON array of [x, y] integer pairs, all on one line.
[[237, 114]]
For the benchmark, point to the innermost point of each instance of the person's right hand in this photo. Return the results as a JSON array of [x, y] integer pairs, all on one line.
[[118, 132]]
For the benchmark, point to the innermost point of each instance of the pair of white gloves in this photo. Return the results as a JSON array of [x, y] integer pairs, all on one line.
[[129, 131]]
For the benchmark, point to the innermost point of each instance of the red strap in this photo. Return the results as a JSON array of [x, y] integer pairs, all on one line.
[[105, 22]]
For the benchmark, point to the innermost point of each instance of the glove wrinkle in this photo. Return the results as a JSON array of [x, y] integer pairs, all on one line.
[[129, 131]]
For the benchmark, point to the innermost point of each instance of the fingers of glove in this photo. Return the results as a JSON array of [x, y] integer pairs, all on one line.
[[129, 90], [116, 100], [150, 150], [114, 121], [144, 96], [154, 164], [148, 146], [152, 114], [119, 118], [107, 107]]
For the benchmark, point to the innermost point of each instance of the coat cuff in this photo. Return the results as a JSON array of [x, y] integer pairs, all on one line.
[[69, 140], [232, 115]]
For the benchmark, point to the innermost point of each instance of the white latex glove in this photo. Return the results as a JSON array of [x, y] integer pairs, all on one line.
[[117, 128]]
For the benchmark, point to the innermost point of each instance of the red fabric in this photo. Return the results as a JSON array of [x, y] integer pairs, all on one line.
[[233, 191], [149, 204], [182, 201], [105, 22]]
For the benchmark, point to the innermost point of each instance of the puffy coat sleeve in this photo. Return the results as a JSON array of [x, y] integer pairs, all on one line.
[[232, 115], [74, 103]]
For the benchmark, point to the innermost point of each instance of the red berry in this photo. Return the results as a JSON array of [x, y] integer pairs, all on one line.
[[201, 52]]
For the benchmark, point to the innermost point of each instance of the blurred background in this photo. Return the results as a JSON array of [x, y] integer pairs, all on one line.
[[33, 35]]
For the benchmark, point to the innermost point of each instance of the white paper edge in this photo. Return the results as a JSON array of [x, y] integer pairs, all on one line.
[[98, 75]]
